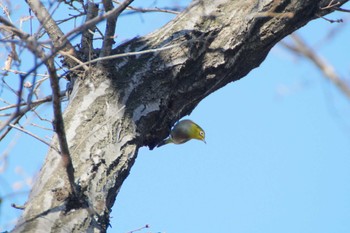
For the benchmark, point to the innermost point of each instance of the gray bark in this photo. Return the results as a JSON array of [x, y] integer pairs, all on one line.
[[134, 101]]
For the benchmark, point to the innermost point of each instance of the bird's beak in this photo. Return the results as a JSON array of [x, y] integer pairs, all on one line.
[[204, 141]]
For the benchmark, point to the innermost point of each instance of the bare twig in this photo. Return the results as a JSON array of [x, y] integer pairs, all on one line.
[[15, 117], [19, 207], [330, 20], [55, 33], [301, 48], [41, 127], [9, 87], [32, 46], [58, 122], [341, 9], [173, 10], [331, 5], [19, 99], [42, 118], [34, 136], [30, 43], [6, 11], [133, 54], [24, 73], [111, 14], [78, 30], [139, 229], [72, 17], [34, 103], [67, 54], [4, 101]]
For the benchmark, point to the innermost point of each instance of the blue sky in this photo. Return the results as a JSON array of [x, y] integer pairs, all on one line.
[[276, 160]]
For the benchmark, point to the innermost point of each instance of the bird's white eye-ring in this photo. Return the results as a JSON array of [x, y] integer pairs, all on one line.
[[201, 133]]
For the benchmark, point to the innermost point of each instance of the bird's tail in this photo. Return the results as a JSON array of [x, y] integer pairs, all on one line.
[[164, 142]]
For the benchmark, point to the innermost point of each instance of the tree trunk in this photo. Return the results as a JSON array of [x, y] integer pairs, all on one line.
[[133, 102]]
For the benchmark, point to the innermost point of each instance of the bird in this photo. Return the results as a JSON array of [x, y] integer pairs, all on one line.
[[184, 131]]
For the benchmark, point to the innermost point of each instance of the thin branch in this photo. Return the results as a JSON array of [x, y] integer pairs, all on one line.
[[19, 207], [15, 117], [59, 125], [4, 101], [5, 114], [332, 4], [9, 87], [24, 73], [72, 17], [139, 229], [80, 29], [34, 103], [67, 54], [330, 20], [57, 36], [19, 98], [38, 83], [19, 42], [34, 136], [111, 14], [58, 122], [88, 35], [41, 127], [6, 11], [301, 48], [341, 9], [173, 10], [42, 118], [30, 43], [132, 54], [108, 39]]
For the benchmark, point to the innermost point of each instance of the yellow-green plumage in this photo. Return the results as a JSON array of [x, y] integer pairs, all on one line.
[[184, 131]]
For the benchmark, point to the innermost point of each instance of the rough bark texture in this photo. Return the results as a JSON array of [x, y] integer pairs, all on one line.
[[132, 103]]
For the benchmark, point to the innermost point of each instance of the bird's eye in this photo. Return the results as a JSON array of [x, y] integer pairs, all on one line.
[[201, 133]]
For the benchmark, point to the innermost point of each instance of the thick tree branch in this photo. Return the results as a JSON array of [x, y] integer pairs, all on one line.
[[134, 101], [212, 62]]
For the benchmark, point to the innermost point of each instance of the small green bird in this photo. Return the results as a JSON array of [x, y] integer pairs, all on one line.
[[184, 131]]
